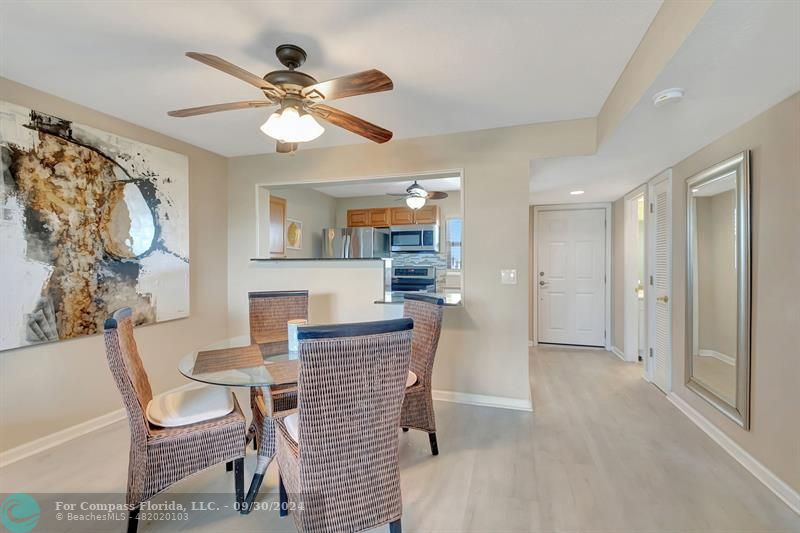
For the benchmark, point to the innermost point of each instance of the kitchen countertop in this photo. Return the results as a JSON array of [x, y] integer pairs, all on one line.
[[450, 299]]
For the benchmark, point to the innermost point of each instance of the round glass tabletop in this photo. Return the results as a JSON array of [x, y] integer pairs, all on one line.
[[235, 362]]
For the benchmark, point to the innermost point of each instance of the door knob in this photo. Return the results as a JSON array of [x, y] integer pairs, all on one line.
[[542, 283], [663, 299]]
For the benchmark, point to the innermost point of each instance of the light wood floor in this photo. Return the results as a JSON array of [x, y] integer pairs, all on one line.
[[604, 451]]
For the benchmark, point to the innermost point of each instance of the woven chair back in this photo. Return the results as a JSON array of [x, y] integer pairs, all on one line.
[[271, 310], [127, 368], [427, 316], [350, 392]]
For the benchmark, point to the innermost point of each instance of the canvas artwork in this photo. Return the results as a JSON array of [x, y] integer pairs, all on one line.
[[89, 222]]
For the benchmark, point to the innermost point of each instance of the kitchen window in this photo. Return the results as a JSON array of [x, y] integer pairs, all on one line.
[[453, 232]]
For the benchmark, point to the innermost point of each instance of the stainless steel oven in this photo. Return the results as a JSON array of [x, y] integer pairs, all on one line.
[[413, 279], [415, 238]]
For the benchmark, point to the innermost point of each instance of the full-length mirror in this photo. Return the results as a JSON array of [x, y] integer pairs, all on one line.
[[718, 288]]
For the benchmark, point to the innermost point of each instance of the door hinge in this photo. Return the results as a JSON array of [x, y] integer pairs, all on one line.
[[604, 334], [651, 207], [605, 278], [651, 280], [651, 352]]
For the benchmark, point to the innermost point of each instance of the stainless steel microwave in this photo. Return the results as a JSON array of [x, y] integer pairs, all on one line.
[[415, 238]]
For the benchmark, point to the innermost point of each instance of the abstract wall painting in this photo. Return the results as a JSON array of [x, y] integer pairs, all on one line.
[[89, 222]]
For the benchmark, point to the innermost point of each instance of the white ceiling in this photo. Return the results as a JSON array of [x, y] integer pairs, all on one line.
[[742, 58], [456, 66], [379, 188]]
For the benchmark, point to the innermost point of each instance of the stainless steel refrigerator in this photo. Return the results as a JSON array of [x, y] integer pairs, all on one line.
[[355, 243]]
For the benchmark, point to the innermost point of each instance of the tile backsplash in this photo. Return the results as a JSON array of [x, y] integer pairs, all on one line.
[[426, 260]]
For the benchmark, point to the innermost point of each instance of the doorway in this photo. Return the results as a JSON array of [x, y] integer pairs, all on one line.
[[570, 279], [635, 314]]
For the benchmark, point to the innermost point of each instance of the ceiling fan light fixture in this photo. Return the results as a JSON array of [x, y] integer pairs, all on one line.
[[290, 126], [417, 190], [415, 202]]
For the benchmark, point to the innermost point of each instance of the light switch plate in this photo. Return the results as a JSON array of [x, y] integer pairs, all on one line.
[[508, 276]]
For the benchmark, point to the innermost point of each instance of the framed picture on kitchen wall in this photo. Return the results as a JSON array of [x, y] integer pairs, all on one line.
[[294, 234]]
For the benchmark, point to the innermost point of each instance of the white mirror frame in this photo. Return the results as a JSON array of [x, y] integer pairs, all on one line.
[[740, 411]]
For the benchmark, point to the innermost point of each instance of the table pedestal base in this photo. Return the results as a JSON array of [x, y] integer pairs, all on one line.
[[255, 484]]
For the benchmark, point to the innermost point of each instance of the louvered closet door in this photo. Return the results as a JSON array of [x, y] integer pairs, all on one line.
[[660, 284]]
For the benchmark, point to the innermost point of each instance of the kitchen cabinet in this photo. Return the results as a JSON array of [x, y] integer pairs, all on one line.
[[277, 226], [428, 214], [357, 218], [379, 218], [402, 215]]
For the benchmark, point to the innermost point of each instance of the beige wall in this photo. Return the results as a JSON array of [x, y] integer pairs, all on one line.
[[50, 387], [315, 210], [483, 349], [774, 140]]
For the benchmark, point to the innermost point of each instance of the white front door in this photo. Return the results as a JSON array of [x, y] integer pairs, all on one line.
[[571, 276], [660, 282]]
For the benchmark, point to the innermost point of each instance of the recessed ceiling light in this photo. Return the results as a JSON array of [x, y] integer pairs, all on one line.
[[668, 96], [575, 193]]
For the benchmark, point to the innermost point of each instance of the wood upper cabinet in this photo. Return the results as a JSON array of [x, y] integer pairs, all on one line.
[[357, 218], [379, 217], [382, 217], [277, 226], [428, 214], [402, 215]]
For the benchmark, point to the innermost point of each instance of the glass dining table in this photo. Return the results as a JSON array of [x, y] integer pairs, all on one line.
[[237, 362]]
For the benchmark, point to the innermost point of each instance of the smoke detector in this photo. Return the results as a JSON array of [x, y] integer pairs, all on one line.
[[668, 96]]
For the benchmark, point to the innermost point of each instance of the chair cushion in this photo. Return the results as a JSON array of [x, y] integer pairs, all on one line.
[[189, 406], [411, 379], [292, 423]]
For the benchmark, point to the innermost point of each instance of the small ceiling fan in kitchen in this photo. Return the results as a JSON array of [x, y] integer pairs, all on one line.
[[300, 97], [416, 195]]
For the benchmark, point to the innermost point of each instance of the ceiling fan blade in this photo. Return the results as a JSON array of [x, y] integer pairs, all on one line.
[[359, 126], [436, 195], [285, 148], [238, 72], [215, 108], [366, 82], [403, 194]]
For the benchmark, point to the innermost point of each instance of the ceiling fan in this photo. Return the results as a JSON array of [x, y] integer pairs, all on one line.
[[416, 195], [300, 98]]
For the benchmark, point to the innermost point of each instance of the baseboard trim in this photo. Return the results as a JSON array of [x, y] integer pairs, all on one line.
[[500, 402], [717, 355], [616, 351], [67, 434], [781, 489]]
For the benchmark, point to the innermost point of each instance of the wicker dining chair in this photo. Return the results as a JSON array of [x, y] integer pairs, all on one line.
[[338, 455], [161, 456], [269, 313], [426, 311]]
